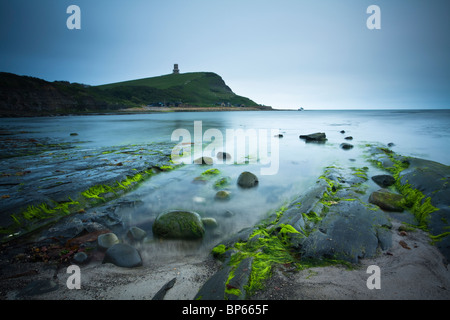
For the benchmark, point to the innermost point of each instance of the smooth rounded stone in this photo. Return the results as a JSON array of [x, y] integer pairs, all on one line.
[[223, 156], [80, 257], [342, 131], [183, 225], [348, 138], [123, 255], [107, 240], [136, 234], [387, 200], [210, 222], [346, 146], [247, 180], [204, 160], [223, 195], [384, 180]]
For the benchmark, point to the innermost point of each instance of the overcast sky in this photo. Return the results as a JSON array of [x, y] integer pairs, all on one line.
[[318, 54]]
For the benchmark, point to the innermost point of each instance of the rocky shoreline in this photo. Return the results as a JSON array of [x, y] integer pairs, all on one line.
[[345, 222]]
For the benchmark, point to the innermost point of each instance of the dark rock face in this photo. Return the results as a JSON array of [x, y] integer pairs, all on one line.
[[223, 156], [427, 183], [314, 137], [384, 180], [346, 146], [350, 231], [432, 179]]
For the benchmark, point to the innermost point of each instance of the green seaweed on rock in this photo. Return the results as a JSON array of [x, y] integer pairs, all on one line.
[[414, 200]]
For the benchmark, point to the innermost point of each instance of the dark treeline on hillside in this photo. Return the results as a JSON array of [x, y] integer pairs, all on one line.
[[29, 96]]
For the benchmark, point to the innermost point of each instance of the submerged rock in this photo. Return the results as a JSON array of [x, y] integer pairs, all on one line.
[[223, 195], [210, 223], [136, 234], [387, 200], [247, 180], [185, 225], [346, 146], [80, 258], [123, 255]]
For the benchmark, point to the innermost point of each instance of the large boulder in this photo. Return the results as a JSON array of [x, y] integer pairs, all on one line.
[[185, 225], [432, 179], [429, 177], [123, 255], [247, 180], [350, 231]]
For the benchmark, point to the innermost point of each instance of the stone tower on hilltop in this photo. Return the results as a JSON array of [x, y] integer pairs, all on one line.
[[175, 69]]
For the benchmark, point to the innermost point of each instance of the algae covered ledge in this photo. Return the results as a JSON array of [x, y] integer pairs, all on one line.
[[425, 190], [301, 234], [115, 171], [335, 223]]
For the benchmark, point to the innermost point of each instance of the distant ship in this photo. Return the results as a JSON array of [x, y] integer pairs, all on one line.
[[301, 109]]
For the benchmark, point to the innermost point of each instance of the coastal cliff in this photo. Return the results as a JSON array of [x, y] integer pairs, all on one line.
[[29, 96]]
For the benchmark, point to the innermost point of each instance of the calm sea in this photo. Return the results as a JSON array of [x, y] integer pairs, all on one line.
[[294, 165]]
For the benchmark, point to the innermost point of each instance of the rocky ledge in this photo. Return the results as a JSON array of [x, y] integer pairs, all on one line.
[[335, 222], [55, 181]]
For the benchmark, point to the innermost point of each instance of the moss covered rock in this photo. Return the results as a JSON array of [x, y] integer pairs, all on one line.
[[387, 200], [185, 225]]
